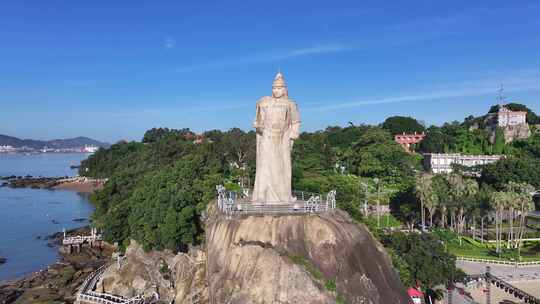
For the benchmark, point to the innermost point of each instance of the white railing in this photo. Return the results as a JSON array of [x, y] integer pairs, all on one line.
[[503, 262], [79, 239], [305, 203], [86, 293]]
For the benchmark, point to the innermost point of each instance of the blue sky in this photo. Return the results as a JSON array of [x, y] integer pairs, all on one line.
[[113, 69]]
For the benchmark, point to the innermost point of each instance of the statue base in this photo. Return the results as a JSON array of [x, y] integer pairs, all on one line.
[[303, 202]]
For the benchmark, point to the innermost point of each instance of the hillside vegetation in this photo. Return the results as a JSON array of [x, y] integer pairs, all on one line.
[[158, 188]]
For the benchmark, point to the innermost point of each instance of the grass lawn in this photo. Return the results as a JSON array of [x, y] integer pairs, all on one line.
[[530, 251], [387, 221]]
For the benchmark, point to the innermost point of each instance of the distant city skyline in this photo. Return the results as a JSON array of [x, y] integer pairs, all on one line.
[[112, 70]]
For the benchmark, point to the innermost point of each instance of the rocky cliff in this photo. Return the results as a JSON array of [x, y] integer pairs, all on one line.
[[297, 259], [521, 131], [173, 277], [265, 259]]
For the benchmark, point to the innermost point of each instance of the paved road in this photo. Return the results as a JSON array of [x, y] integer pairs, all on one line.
[[524, 277], [499, 295], [505, 272]]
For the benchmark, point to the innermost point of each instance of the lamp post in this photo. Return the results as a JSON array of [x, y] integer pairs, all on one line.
[[365, 197], [377, 182]]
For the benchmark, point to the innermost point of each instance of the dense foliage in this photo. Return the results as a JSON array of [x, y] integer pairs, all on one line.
[[422, 259], [402, 124], [455, 137], [517, 169], [158, 189], [475, 135], [171, 175]]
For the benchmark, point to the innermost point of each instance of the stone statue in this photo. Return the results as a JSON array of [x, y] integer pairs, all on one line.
[[277, 123]]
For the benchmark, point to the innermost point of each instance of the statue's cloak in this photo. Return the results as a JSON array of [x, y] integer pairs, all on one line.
[[277, 122]]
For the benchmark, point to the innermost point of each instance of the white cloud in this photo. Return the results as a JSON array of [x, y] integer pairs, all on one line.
[[169, 43], [267, 57], [523, 81]]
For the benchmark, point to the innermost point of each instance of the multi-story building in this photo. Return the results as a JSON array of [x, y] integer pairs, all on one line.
[[89, 149], [442, 162], [507, 117], [6, 148], [406, 140]]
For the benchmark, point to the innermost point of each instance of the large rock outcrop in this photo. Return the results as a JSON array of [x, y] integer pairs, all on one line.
[[521, 131], [275, 259], [174, 277], [316, 259]]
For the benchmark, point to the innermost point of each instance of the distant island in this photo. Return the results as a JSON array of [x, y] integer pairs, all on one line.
[[10, 144]]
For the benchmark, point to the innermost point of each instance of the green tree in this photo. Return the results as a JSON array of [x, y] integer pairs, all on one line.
[[499, 201], [436, 141], [401, 124], [425, 257], [512, 169], [375, 154], [522, 200], [498, 146], [426, 195]]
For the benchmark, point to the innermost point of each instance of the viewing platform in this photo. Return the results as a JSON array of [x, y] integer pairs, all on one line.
[[233, 203], [80, 239], [72, 244]]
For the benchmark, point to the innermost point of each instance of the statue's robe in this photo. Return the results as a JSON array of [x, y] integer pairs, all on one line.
[[277, 123]]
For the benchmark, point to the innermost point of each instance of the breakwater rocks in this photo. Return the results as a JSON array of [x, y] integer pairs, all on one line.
[[79, 184], [33, 182]]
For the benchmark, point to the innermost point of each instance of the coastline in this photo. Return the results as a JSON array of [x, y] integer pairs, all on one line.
[[59, 281], [83, 185], [77, 184]]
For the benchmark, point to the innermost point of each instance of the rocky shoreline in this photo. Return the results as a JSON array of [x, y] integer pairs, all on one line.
[[58, 282], [79, 184]]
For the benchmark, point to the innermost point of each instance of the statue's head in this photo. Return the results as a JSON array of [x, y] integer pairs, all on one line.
[[279, 87]]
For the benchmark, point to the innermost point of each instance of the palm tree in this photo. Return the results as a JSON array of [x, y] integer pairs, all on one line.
[[498, 203], [440, 188], [431, 205], [525, 204], [511, 204], [469, 188], [423, 192], [484, 209], [457, 193]]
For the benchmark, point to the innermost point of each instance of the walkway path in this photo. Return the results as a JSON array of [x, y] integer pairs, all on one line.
[[87, 294], [526, 278], [505, 272]]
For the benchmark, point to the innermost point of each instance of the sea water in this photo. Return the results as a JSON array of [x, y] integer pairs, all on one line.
[[28, 216]]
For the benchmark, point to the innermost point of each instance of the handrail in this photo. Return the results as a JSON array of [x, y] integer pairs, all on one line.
[[228, 204], [514, 290], [87, 294], [527, 263]]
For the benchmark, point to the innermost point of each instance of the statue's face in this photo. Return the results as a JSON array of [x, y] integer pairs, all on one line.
[[279, 92]]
